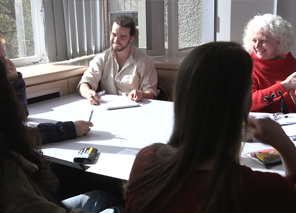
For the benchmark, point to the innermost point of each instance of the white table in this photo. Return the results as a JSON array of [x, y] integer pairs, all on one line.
[[117, 134]]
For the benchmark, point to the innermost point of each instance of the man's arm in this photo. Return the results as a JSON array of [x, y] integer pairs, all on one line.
[[83, 88], [148, 95], [150, 80]]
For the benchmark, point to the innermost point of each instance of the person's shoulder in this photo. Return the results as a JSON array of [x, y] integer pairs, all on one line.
[[264, 180], [138, 53], [148, 149], [104, 53], [247, 171], [101, 57], [289, 56], [262, 187]]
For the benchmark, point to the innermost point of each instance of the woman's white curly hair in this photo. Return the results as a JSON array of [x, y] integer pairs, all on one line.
[[272, 25]]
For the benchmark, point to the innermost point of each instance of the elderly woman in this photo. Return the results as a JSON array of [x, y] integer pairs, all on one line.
[[269, 39]]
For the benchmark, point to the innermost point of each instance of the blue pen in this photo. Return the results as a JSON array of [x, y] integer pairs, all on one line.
[[91, 113]]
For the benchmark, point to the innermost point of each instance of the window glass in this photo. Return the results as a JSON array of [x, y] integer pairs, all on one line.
[[17, 28]]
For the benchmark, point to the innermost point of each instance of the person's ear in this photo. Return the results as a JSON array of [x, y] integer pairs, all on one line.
[[132, 38]]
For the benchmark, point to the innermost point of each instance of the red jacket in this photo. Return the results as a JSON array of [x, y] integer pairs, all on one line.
[[267, 77]]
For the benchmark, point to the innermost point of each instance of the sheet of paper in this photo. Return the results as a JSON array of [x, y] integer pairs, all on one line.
[[117, 102], [282, 119], [115, 165]]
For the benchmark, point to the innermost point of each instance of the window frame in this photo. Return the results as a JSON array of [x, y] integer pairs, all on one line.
[[209, 18], [37, 12]]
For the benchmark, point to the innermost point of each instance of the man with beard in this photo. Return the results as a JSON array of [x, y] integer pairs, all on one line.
[[122, 69]]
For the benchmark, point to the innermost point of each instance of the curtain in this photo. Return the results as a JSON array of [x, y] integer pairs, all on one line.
[[74, 28]]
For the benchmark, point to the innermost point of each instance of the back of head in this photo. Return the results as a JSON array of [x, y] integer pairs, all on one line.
[[211, 100], [272, 25], [126, 21], [213, 83], [11, 114]]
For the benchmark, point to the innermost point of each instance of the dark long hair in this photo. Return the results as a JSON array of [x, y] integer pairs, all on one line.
[[213, 84], [15, 136]]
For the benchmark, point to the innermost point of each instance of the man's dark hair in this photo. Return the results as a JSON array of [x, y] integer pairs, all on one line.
[[126, 21]]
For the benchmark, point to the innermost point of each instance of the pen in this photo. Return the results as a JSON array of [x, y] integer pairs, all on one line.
[[91, 113], [101, 92]]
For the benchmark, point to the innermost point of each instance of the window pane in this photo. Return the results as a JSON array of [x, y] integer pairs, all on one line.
[[190, 22], [16, 27]]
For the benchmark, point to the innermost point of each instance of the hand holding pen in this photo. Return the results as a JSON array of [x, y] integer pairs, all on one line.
[[93, 97]]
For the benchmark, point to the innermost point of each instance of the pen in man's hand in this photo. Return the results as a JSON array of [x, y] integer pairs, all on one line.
[[91, 113], [101, 92]]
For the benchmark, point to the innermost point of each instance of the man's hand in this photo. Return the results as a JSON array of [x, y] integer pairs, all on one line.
[[135, 95], [92, 97], [82, 127]]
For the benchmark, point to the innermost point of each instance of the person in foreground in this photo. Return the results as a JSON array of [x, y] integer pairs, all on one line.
[[26, 182], [50, 132], [269, 38], [122, 69], [199, 169]]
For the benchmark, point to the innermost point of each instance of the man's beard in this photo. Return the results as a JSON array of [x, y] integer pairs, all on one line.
[[122, 48]]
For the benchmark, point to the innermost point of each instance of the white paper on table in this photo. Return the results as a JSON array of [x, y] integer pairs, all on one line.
[[290, 130], [282, 119], [117, 165], [117, 102]]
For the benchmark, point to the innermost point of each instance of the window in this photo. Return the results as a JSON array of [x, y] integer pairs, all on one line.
[[183, 23], [76, 28], [22, 27]]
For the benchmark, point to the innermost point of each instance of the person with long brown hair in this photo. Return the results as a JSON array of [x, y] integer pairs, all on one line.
[[199, 169], [50, 132], [26, 181]]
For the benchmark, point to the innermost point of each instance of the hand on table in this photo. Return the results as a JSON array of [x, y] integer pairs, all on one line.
[[135, 95], [92, 97], [82, 127], [271, 133]]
